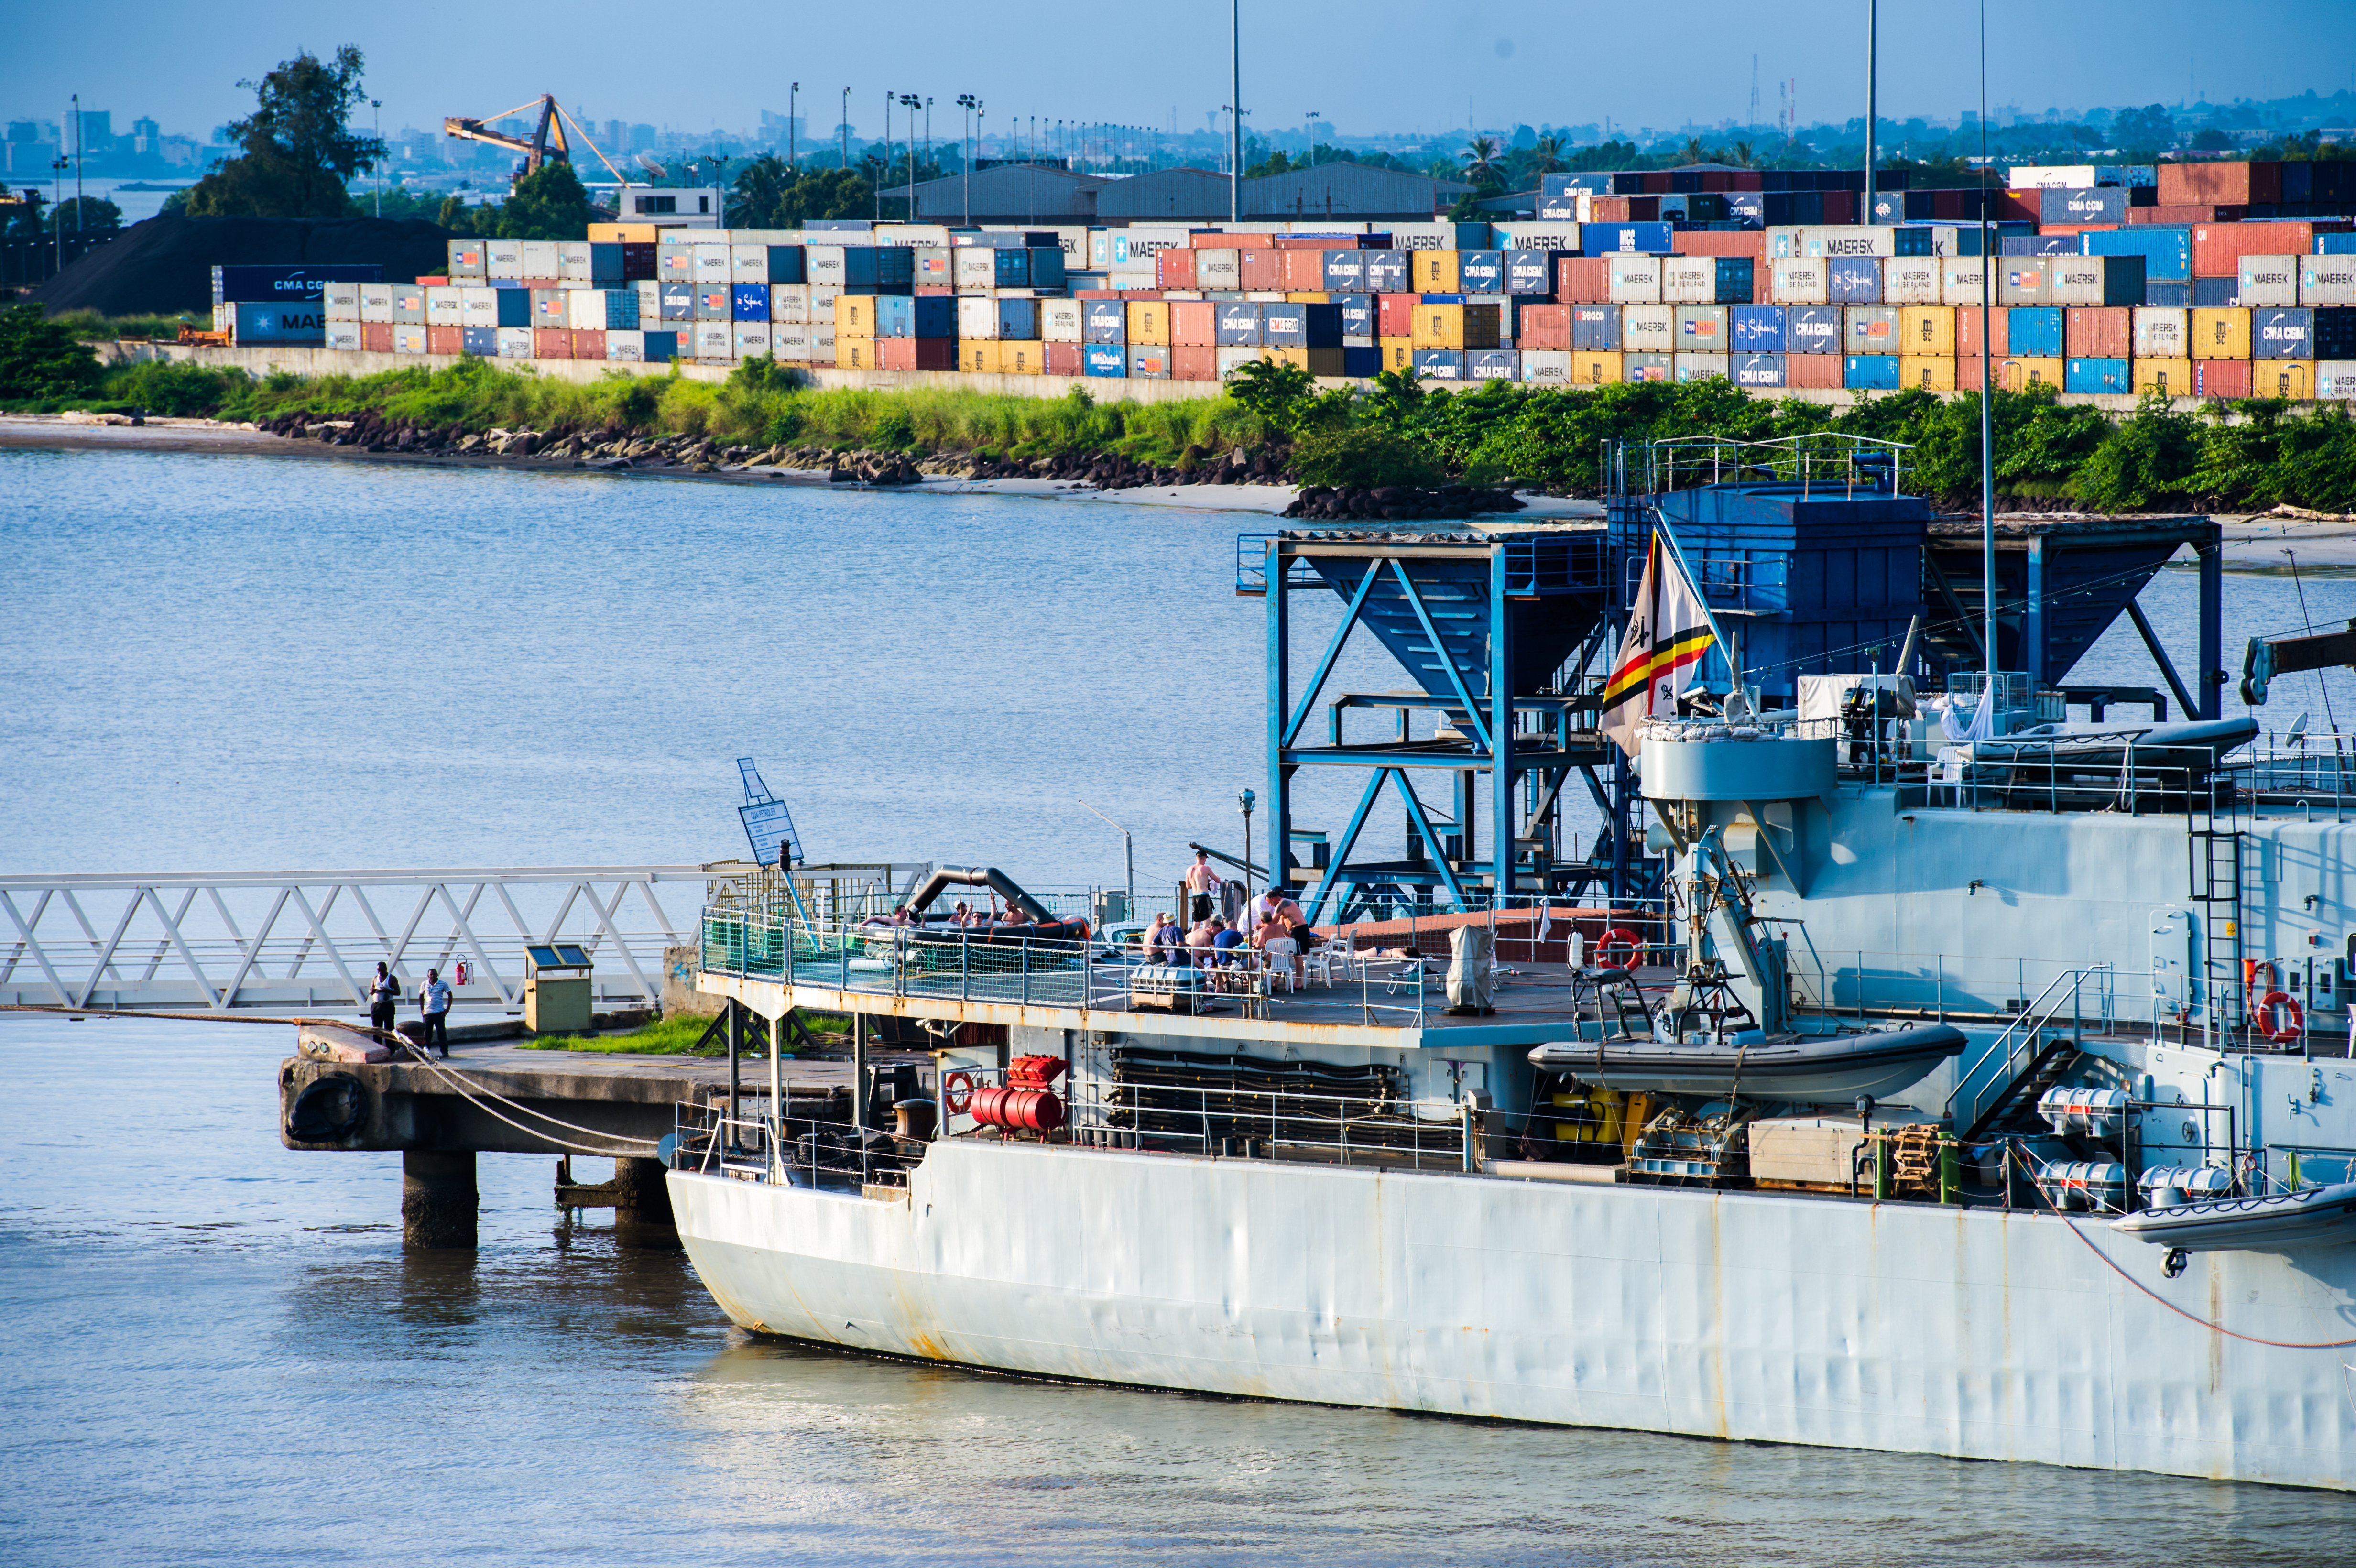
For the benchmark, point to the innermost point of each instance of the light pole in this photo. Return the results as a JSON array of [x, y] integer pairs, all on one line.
[[884, 169], [78, 204], [973, 106], [58, 204], [1236, 116], [911, 102], [1127, 854], [1314, 118], [376, 128], [843, 129], [792, 93], [1244, 802], [1872, 20]]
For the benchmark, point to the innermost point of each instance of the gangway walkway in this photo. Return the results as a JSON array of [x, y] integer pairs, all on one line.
[[281, 942]]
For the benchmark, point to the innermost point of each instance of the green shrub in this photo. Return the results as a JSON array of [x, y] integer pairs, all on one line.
[[41, 360], [1364, 456]]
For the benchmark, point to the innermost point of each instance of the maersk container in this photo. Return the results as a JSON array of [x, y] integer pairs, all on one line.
[[345, 336], [537, 258], [1481, 272], [2267, 280], [1871, 373], [1546, 367], [1853, 280], [678, 302], [1595, 328], [709, 258], [602, 262], [2033, 332], [1530, 271], [1621, 238], [514, 342], [1706, 280], [1757, 371], [483, 342], [376, 303], [748, 302], [2284, 335], [1755, 329], [503, 259], [2097, 376], [1386, 272], [1358, 315], [1812, 329], [1439, 364], [1345, 272], [1103, 322]]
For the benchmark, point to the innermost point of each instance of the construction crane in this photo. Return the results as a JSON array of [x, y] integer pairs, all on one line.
[[547, 140]]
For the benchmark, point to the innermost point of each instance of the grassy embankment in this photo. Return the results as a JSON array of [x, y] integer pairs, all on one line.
[[670, 1036]]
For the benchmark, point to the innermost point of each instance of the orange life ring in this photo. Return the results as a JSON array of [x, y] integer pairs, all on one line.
[[1626, 938], [2265, 1013], [957, 1092]]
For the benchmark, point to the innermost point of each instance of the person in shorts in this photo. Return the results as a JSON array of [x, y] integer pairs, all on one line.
[[1202, 888]]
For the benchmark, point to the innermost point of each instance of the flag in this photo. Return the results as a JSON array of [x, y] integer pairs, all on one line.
[[1668, 630]]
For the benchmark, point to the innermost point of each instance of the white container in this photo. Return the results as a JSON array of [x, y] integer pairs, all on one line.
[[375, 303], [445, 307], [573, 261], [977, 317], [1546, 367], [344, 335], [2326, 280], [790, 343], [750, 338], [1423, 235], [515, 342], [1218, 271], [1910, 280], [1232, 360], [1799, 279], [2335, 379], [649, 294], [715, 340], [2021, 280], [1648, 329], [1849, 239], [1960, 277], [629, 347], [789, 303], [408, 338], [539, 260], [2085, 280], [1060, 321], [973, 269], [711, 265], [503, 259], [1634, 279], [675, 260], [341, 302], [748, 263], [2268, 279], [822, 343], [819, 312], [2051, 176], [479, 307], [1689, 280], [822, 267], [2162, 332], [1782, 242], [1699, 367]]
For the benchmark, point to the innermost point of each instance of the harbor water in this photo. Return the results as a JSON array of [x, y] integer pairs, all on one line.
[[213, 1349]]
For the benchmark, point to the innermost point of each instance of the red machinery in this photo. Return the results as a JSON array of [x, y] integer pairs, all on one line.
[[1027, 1104]]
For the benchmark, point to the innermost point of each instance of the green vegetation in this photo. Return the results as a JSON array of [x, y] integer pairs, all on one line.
[[769, 193], [93, 328], [85, 215], [672, 1036], [42, 361], [300, 153]]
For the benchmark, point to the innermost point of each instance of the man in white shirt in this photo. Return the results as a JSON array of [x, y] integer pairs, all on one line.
[[434, 997]]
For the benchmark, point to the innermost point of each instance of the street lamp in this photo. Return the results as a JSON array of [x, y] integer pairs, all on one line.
[[973, 106], [1244, 802], [792, 93], [845, 129], [376, 128], [1314, 118]]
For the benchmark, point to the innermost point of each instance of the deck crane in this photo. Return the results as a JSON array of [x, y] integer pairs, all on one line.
[[547, 140]]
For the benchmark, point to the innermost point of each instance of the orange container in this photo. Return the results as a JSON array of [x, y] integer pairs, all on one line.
[[549, 343], [448, 340], [1815, 371], [1587, 280], [1967, 331], [588, 345], [1194, 362], [1193, 324], [1063, 359], [1303, 270], [1175, 268], [1264, 271], [2091, 331], [1543, 326]]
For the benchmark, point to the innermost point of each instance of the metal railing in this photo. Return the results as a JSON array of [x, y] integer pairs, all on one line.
[[2029, 1029]]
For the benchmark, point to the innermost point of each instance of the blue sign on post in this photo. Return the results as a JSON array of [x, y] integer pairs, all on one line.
[[767, 822]]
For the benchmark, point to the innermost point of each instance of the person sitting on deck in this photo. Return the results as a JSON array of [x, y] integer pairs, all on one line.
[[1225, 941], [1276, 940], [1199, 939], [1150, 937], [1165, 940]]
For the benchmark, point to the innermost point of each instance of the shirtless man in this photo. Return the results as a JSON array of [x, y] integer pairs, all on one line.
[[1202, 887]]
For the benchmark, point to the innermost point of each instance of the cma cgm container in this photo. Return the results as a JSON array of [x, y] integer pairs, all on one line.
[[1757, 371], [1439, 364], [1812, 329], [255, 286], [2281, 334]]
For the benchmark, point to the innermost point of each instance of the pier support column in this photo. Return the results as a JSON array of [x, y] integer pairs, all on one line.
[[438, 1201], [642, 1214]]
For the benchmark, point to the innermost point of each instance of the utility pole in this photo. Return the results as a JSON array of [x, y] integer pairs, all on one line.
[[911, 102], [973, 106], [78, 204], [1236, 111], [1872, 56], [376, 127], [792, 93], [845, 129]]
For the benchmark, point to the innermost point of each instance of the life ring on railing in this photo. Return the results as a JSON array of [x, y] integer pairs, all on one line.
[[1626, 938], [957, 1093], [2250, 967], [2264, 1014]]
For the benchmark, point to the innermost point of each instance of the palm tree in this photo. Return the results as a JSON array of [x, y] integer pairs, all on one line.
[[1480, 159], [1545, 156], [1694, 152], [1742, 155], [760, 186]]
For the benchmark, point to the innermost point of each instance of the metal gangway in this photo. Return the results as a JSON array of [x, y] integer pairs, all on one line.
[[283, 943]]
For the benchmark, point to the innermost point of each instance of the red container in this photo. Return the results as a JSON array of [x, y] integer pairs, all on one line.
[[547, 342], [1315, 241], [1304, 270], [1194, 362], [540, 283], [1175, 268], [1967, 375], [1714, 242], [915, 353], [2091, 331], [2221, 377], [2174, 217], [637, 261], [937, 289], [1718, 179], [445, 340], [2003, 207], [1814, 370], [1394, 315], [375, 337], [1263, 269], [2220, 185], [1098, 295], [1063, 359], [1845, 206], [588, 346], [1582, 279], [1193, 324], [1658, 183], [1544, 326], [1608, 209], [1967, 331], [2218, 248]]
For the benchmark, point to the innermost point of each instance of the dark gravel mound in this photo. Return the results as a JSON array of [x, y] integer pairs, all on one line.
[[165, 263], [1399, 503]]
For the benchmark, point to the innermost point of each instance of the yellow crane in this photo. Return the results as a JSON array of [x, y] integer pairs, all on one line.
[[547, 140]]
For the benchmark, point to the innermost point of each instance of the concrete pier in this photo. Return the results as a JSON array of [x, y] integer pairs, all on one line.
[[438, 1200]]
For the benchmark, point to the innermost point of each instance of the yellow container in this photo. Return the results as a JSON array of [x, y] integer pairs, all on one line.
[[2292, 378], [978, 356], [1148, 324], [2168, 377], [1592, 368], [1932, 372], [1432, 272], [854, 352], [1319, 298], [622, 233], [1398, 352], [2019, 375], [1438, 325], [1017, 356], [1927, 331], [2221, 332], [855, 313], [1297, 357]]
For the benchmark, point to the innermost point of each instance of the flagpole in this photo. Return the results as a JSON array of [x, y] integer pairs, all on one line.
[[1661, 527]]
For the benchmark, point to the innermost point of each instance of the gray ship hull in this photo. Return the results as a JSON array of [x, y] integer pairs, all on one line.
[[1907, 1327]]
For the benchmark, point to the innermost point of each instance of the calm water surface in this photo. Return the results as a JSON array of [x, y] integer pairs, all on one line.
[[213, 1349]]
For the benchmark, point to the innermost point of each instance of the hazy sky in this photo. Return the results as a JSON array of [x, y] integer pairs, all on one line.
[[1369, 66]]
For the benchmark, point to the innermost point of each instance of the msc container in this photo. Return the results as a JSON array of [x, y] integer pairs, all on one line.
[[2093, 333], [1595, 328], [1429, 272], [2221, 333], [1870, 372], [854, 316], [1492, 365], [1595, 367], [1648, 329], [2267, 279], [1620, 239], [1926, 329], [1546, 367], [2322, 280], [1755, 329], [2291, 379], [1869, 329], [2169, 376], [1439, 364], [1812, 329], [1928, 372], [2281, 334], [1633, 279], [1853, 280], [2159, 333], [1149, 325], [2033, 332], [1702, 328], [852, 352], [2166, 248], [1634, 367], [2018, 374], [2097, 376], [1757, 371], [1912, 280], [1528, 272], [1799, 279]]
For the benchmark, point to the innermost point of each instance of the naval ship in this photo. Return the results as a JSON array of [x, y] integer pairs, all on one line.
[[1929, 1056]]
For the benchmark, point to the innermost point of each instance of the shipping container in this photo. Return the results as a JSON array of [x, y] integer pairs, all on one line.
[[375, 303], [1583, 279], [1358, 326], [1344, 271], [2335, 331], [1698, 368], [2335, 379], [2093, 333], [465, 262], [2161, 334], [1543, 328], [342, 335], [607, 310], [2166, 249], [679, 301], [1812, 329], [2100, 205], [446, 341], [1853, 280], [1757, 371], [1706, 280], [2322, 280], [1620, 239], [715, 302], [2169, 377], [2050, 176], [854, 316], [1927, 372], [1870, 372], [551, 307], [1064, 358], [1756, 329], [2033, 332], [2217, 294], [1963, 279], [1702, 328], [709, 261], [445, 307], [551, 343], [504, 258], [2220, 184], [2281, 334], [1193, 324], [1635, 368], [746, 301], [2291, 379], [1149, 362], [1060, 321], [1193, 362], [1493, 365], [2177, 294], [2097, 376], [1869, 329], [1926, 329], [1387, 273], [340, 301], [375, 336], [1634, 278], [1967, 331], [749, 340], [2218, 248], [1531, 272], [1912, 280], [1105, 322], [2019, 374], [2111, 280], [2267, 281], [1595, 328], [1237, 324], [1149, 326], [2221, 333], [2022, 281], [1799, 279], [1433, 271], [1648, 329], [1481, 272], [1439, 364], [1595, 367], [855, 351]]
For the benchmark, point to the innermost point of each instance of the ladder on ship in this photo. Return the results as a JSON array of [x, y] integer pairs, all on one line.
[[2215, 853], [2015, 1110]]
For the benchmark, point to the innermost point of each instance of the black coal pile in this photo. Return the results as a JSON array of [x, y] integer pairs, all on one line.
[[1398, 503], [166, 264]]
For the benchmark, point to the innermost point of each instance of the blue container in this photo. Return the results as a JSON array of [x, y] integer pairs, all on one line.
[[512, 307], [1481, 271], [2041, 245], [878, 269], [1732, 284], [1103, 358], [2179, 293], [1018, 320], [2216, 293], [1789, 208], [750, 302], [661, 346], [1105, 321], [2282, 334], [2033, 332], [788, 264], [1626, 239], [480, 341], [918, 316], [1853, 280], [677, 300], [1491, 365], [1358, 318], [1472, 237], [1362, 363], [1595, 328], [255, 285], [2097, 376], [1047, 266], [2132, 176], [1871, 373], [1748, 208], [290, 322], [1385, 272], [1756, 369], [2103, 204], [1812, 329], [1237, 324], [1559, 208], [1345, 272], [2335, 244], [2166, 249], [1439, 364], [1301, 325], [1755, 329], [1530, 273]]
